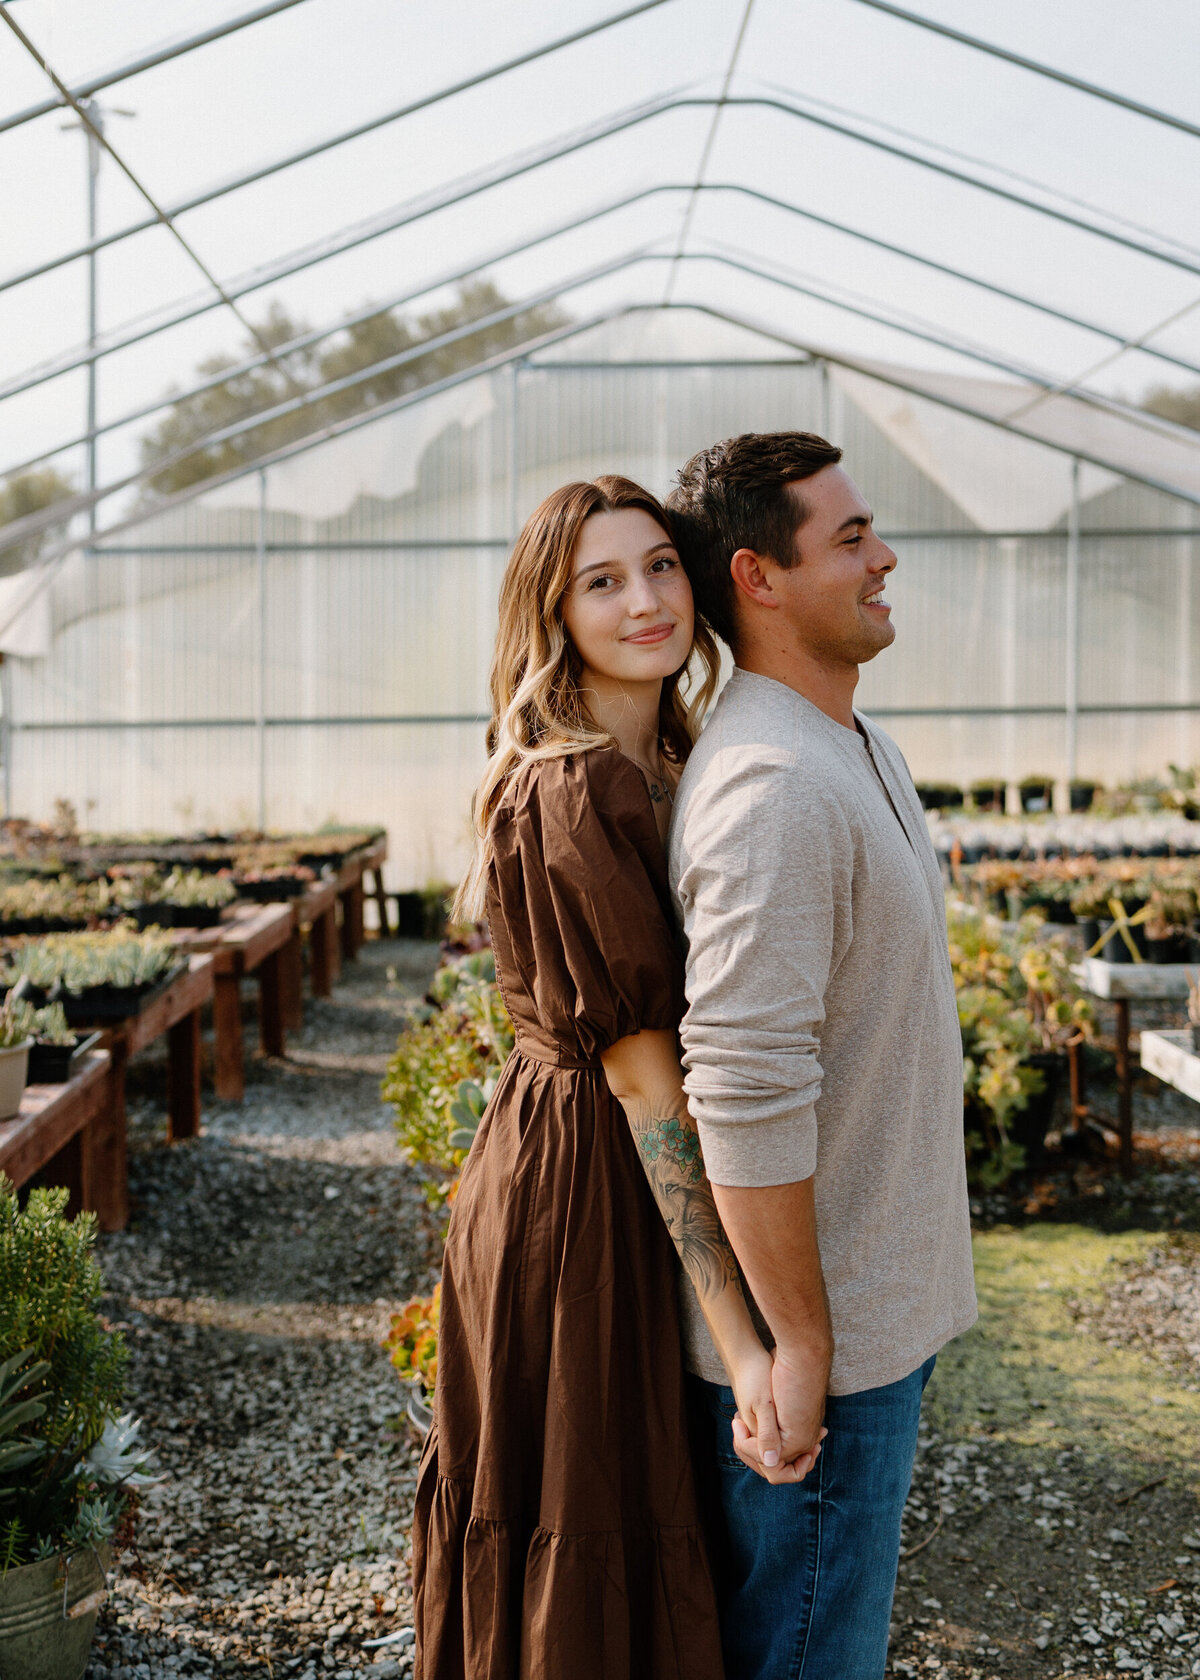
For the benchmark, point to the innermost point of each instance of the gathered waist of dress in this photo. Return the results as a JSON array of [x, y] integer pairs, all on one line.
[[545, 1058]]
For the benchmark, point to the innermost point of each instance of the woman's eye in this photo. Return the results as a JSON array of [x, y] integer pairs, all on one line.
[[599, 582], [664, 563]]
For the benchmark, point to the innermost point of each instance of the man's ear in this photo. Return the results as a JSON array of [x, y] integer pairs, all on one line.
[[751, 576]]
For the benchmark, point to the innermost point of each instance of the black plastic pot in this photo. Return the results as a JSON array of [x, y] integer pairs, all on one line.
[[272, 892], [1117, 951], [115, 1003], [1030, 1125], [167, 915], [54, 1064], [1178, 947], [410, 915], [43, 924]]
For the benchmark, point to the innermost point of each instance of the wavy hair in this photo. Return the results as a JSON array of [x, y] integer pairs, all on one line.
[[538, 710]]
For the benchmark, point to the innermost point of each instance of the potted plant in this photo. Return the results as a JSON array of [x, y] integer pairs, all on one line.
[[939, 796], [186, 898], [412, 1346], [57, 1051], [70, 1465], [1081, 794], [988, 795], [16, 1036], [1037, 793]]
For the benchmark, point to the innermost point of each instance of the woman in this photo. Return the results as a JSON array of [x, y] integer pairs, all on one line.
[[556, 1535]]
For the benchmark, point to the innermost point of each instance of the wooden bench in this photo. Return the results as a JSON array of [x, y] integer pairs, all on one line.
[[251, 939], [352, 894], [175, 1012], [65, 1132]]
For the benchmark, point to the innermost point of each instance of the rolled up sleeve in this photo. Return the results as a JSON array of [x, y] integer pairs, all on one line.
[[762, 876]]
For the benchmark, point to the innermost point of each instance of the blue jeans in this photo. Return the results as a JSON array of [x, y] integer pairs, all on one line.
[[805, 1573]]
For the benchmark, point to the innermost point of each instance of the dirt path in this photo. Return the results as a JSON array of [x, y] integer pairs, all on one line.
[[255, 1282]]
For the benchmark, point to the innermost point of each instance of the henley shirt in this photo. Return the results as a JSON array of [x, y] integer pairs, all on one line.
[[821, 1036]]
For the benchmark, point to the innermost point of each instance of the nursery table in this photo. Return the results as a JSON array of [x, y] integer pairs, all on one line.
[[316, 911], [249, 940], [1121, 984], [66, 1129], [1169, 1056], [352, 894], [176, 1012]]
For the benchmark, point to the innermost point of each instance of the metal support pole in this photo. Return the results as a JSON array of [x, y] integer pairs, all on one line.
[[1071, 661], [6, 732], [260, 699], [96, 116], [514, 448], [824, 412]]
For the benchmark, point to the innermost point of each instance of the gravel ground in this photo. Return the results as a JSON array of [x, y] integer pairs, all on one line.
[[256, 1280], [1044, 1565], [254, 1283]]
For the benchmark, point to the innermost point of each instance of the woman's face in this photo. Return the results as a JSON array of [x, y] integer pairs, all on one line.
[[628, 606]]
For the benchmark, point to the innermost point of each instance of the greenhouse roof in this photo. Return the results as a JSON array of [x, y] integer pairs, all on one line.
[[968, 208]]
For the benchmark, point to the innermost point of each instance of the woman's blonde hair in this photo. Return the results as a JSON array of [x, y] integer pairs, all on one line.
[[537, 708]]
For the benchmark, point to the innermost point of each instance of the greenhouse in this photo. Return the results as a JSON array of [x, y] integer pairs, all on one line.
[[389, 1279], [313, 637]]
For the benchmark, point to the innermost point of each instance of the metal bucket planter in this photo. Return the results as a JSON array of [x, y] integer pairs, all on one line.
[[14, 1069], [420, 1414], [48, 1616]]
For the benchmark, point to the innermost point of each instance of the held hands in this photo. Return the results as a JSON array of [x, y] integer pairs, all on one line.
[[778, 1430]]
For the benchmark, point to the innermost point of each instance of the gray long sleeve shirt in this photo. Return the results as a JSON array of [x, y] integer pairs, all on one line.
[[821, 1036]]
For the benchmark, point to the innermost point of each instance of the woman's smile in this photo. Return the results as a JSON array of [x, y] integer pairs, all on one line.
[[652, 636]]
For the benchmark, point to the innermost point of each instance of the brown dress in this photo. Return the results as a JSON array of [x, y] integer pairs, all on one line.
[[556, 1533]]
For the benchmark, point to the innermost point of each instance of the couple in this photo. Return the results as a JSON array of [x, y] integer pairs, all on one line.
[[788, 1218]]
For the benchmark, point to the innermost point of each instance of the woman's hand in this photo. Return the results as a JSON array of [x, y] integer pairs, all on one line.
[[756, 1423], [757, 1438]]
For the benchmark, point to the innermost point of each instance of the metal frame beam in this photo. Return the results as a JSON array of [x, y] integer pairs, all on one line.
[[1092, 89], [85, 90], [48, 564], [630, 118], [264, 171], [305, 340], [34, 523], [16, 531]]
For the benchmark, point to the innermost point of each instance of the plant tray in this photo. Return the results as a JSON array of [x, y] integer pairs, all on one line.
[[115, 1003], [55, 1064], [167, 915], [42, 924], [273, 892]]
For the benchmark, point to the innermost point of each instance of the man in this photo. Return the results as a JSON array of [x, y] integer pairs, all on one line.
[[824, 1064]]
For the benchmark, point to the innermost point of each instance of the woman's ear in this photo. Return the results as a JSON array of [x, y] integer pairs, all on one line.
[[751, 577]]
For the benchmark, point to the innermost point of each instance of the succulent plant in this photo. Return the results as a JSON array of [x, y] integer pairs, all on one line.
[[16, 1022], [50, 1025]]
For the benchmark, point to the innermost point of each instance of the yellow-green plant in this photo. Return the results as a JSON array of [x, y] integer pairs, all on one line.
[[412, 1341], [1016, 997], [445, 1068]]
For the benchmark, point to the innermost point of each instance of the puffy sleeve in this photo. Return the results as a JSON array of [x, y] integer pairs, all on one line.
[[580, 904]]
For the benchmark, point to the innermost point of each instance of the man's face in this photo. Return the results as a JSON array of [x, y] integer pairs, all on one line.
[[833, 598]]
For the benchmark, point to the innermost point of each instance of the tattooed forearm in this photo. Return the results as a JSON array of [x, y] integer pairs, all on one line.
[[670, 1150]]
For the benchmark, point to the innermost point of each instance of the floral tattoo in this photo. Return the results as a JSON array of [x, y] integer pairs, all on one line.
[[667, 1139], [670, 1151]]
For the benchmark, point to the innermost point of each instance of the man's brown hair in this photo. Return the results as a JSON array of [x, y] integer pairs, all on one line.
[[735, 495]]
